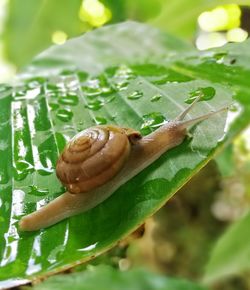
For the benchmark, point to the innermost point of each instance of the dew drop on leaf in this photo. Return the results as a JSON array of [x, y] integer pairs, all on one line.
[[100, 120], [21, 169], [151, 122], [121, 85], [52, 87], [95, 105], [64, 115], [70, 99], [45, 171], [156, 98], [92, 87], [205, 94], [53, 106], [220, 56], [34, 190], [35, 82], [19, 94], [135, 95]]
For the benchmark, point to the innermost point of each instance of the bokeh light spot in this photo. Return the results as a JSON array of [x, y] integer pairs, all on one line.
[[220, 18], [214, 39], [59, 37], [237, 35], [94, 12]]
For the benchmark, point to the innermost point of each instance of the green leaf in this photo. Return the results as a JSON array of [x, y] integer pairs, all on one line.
[[88, 81], [105, 277], [231, 255]]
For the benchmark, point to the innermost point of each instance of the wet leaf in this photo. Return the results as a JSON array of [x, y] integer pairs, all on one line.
[[105, 67]]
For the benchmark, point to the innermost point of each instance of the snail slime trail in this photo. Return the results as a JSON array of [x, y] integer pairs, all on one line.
[[100, 159]]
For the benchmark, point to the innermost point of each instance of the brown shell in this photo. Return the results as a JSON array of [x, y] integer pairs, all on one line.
[[94, 156]]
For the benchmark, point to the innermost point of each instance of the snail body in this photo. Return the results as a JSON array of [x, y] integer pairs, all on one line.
[[100, 159]]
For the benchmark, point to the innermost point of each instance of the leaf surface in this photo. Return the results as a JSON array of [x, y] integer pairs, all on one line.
[[128, 74]]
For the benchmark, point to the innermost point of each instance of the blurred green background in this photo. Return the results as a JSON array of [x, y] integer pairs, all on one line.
[[27, 27]]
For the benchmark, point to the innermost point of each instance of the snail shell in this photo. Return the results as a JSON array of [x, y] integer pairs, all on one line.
[[94, 156]]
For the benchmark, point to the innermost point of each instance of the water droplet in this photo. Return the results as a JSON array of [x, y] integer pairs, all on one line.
[[151, 122], [92, 87], [121, 77], [95, 105], [80, 126], [53, 106], [156, 98], [52, 87], [220, 56], [135, 95], [205, 94], [19, 94], [121, 86], [51, 94], [124, 72], [37, 81], [56, 254], [33, 85], [71, 83], [106, 99], [100, 120], [34, 190], [45, 171], [64, 115], [71, 99], [21, 169]]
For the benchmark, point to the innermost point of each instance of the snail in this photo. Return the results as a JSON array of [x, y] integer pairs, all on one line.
[[100, 159]]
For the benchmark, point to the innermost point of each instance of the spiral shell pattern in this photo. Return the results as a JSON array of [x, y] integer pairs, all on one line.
[[93, 157]]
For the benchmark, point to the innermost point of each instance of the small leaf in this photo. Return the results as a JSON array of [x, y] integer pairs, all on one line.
[[231, 255]]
